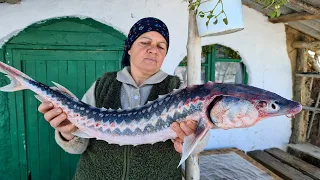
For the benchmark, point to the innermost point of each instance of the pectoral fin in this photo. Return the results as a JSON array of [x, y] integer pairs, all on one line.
[[81, 134], [191, 141]]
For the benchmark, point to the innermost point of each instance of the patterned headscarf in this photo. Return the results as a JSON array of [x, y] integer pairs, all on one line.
[[142, 26]]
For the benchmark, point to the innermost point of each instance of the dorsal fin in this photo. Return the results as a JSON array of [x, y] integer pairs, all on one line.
[[64, 90]]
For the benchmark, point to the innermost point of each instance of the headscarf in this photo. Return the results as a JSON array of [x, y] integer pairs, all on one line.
[[142, 26]]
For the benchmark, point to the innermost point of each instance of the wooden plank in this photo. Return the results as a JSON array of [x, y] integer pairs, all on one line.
[[20, 115], [81, 76], [32, 124], [12, 1], [90, 73], [306, 7], [44, 126], [303, 44], [64, 80], [305, 29], [311, 108], [315, 75], [76, 48], [66, 38], [14, 126], [244, 156], [66, 25], [307, 152], [294, 17], [54, 148], [275, 165], [57, 55], [295, 162], [72, 84], [100, 68]]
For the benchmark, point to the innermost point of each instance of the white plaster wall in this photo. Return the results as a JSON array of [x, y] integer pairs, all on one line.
[[261, 44]]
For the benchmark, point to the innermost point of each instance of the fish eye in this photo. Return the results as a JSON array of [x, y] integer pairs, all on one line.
[[274, 105]]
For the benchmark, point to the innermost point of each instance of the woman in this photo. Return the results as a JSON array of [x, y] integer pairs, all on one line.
[[138, 82]]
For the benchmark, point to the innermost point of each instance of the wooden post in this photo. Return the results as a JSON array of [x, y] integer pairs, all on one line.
[[194, 77], [300, 122]]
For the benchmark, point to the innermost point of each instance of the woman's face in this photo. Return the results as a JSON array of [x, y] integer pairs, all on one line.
[[148, 52]]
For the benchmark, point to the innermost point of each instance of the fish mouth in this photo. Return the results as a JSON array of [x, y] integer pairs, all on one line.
[[293, 112], [290, 115]]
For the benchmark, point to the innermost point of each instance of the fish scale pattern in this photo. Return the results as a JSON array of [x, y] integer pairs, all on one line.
[[154, 117]]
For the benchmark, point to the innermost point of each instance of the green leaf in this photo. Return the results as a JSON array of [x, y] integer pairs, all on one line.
[[216, 21], [225, 20], [207, 23], [201, 14], [272, 14]]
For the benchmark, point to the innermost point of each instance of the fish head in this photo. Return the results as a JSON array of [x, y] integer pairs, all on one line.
[[267, 103], [276, 107], [240, 106]]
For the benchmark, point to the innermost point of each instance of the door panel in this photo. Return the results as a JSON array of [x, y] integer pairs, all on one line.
[[75, 70]]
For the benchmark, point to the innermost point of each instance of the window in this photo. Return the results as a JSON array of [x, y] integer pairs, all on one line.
[[218, 64]]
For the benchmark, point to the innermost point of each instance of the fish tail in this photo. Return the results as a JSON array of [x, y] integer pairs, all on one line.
[[15, 76]]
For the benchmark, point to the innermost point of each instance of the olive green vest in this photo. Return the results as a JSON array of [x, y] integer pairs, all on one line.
[[113, 162]]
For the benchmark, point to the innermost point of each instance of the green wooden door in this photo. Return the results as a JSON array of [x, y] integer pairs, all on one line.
[[70, 51], [42, 158]]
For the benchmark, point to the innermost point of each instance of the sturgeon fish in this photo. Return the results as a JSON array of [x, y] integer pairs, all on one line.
[[212, 105]]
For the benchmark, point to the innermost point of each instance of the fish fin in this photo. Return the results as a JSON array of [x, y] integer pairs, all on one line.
[[40, 98], [81, 134], [11, 71], [65, 90], [191, 141], [14, 85]]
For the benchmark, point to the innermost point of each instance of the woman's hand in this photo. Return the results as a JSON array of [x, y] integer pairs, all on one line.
[[183, 129], [57, 119]]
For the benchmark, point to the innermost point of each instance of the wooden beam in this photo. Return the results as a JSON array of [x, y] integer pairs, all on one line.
[[308, 45], [308, 75], [283, 170], [311, 108], [295, 162], [13, 1], [306, 7], [306, 152], [304, 28], [294, 17]]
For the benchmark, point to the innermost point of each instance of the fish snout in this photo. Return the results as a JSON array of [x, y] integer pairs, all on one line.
[[294, 109]]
